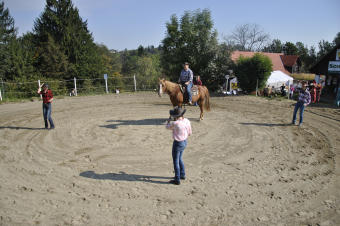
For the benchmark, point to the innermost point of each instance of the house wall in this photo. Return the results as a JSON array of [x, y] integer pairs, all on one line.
[[332, 81]]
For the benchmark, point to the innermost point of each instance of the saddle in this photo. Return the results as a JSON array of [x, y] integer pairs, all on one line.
[[194, 92]]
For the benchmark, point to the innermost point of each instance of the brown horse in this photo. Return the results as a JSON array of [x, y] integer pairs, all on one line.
[[176, 96]]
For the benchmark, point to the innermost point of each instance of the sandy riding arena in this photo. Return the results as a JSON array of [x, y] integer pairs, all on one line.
[[108, 162]]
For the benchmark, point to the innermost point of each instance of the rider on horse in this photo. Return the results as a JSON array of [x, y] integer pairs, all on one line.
[[186, 79]]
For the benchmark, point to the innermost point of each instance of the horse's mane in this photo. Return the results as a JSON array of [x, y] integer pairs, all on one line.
[[170, 86]]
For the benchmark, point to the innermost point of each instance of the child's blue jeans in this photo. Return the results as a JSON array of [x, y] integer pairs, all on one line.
[[301, 106], [177, 152]]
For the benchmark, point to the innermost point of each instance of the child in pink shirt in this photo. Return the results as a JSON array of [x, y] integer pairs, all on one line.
[[181, 129]]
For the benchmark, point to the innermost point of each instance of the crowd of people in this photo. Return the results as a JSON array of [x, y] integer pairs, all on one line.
[[314, 88]]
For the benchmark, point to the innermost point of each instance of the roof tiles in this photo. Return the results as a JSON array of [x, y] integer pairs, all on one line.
[[279, 60]]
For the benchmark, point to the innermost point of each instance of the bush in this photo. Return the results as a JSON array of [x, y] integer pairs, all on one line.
[[250, 69], [57, 87], [87, 87], [116, 82]]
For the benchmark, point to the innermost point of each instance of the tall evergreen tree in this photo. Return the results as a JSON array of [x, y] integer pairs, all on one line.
[[62, 22], [7, 28], [7, 35], [52, 62]]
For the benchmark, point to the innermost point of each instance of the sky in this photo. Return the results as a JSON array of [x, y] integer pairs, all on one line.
[[121, 24]]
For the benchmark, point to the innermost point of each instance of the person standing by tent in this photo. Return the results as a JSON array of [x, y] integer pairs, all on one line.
[[313, 91], [47, 96], [283, 90], [304, 99], [291, 91], [318, 92]]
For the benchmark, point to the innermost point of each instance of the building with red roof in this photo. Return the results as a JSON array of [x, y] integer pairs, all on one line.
[[286, 63]]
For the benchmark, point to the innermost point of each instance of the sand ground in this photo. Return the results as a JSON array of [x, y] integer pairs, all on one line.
[[108, 162]]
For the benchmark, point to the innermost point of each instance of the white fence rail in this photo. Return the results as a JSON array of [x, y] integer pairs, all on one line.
[[74, 86]]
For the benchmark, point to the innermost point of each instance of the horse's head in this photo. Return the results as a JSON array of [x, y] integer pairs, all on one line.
[[162, 87]]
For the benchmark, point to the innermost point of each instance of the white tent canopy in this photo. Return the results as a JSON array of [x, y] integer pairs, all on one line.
[[277, 78]]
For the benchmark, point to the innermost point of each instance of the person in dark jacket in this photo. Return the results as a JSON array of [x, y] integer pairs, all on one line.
[[47, 96], [304, 99]]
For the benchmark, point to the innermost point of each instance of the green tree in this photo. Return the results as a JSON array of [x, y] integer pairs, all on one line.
[[88, 87], [7, 35], [274, 47], [62, 22], [52, 62], [110, 59], [218, 67], [7, 27], [30, 54], [141, 51], [20, 69], [191, 39], [129, 63], [324, 48], [116, 82], [303, 53], [336, 40], [147, 72], [17, 66], [249, 70], [290, 49], [311, 59]]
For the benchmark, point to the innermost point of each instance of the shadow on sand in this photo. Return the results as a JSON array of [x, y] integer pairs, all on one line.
[[265, 124], [142, 122], [122, 176], [20, 127]]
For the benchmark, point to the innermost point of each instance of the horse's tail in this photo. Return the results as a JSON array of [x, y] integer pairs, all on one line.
[[206, 99]]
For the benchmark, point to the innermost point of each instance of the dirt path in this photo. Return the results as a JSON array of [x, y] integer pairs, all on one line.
[[109, 160]]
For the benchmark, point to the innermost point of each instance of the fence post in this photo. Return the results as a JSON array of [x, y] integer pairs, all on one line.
[[39, 87], [107, 91], [105, 77], [257, 83], [135, 83], [75, 86], [0, 95], [3, 89]]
